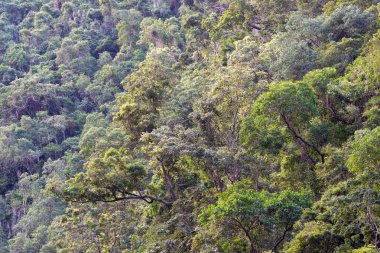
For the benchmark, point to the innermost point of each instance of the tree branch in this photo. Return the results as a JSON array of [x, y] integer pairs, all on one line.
[[168, 180], [282, 238], [297, 136], [147, 198], [246, 231]]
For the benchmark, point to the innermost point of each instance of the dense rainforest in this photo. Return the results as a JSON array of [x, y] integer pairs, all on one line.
[[189, 126]]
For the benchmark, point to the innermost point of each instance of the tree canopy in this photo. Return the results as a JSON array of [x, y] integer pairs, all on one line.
[[189, 126]]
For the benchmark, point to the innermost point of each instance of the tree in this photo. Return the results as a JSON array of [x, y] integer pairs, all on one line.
[[189, 126], [160, 34], [287, 105], [347, 21], [314, 237], [7, 74], [17, 57], [254, 213], [292, 63], [109, 178], [347, 214], [128, 30], [76, 56], [87, 227], [365, 152], [146, 90]]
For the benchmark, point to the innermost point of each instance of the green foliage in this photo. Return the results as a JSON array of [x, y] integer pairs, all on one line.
[[314, 237], [146, 91], [189, 126], [159, 34], [98, 183], [7, 74], [128, 29], [17, 58], [253, 213], [365, 152], [286, 109]]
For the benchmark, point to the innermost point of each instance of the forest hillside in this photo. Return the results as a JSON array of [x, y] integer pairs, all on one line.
[[173, 126]]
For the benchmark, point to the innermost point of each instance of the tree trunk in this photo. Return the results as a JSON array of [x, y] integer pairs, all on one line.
[[252, 248], [168, 180], [288, 227], [247, 233]]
